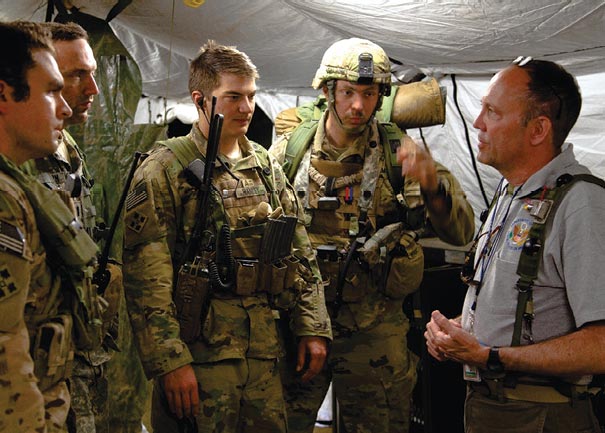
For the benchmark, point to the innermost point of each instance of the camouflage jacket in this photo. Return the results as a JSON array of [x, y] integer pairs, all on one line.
[[23, 274], [160, 214], [54, 172], [360, 183]]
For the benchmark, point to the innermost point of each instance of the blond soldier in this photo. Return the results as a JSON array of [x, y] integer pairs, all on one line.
[[32, 112], [205, 325], [364, 226]]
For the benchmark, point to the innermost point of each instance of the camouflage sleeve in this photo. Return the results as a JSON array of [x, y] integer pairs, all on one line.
[[458, 226], [278, 149], [150, 226], [309, 316], [23, 408]]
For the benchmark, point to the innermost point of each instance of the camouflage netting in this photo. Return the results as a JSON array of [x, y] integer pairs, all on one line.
[[109, 139]]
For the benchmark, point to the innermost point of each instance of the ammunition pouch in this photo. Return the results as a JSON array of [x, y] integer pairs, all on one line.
[[253, 276], [191, 296], [275, 269], [52, 351], [357, 282], [87, 309], [403, 269]]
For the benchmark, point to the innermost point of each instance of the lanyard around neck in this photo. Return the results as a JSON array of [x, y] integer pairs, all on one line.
[[494, 233]]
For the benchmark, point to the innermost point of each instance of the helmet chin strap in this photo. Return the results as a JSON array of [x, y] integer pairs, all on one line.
[[332, 108]]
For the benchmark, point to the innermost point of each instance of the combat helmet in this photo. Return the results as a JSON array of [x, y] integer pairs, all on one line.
[[356, 60]]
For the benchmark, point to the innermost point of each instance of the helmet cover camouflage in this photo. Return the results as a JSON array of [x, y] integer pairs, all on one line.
[[356, 60]]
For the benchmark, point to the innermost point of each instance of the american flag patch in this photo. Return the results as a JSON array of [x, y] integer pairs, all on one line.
[[11, 239], [137, 196]]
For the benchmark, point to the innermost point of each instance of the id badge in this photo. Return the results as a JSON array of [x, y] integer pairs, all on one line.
[[470, 373]]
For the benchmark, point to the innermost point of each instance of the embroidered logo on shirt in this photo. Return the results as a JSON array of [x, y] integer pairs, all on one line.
[[518, 233]]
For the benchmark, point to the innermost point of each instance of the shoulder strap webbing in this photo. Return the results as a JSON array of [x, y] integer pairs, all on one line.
[[390, 136], [531, 254], [183, 148], [299, 141], [266, 173]]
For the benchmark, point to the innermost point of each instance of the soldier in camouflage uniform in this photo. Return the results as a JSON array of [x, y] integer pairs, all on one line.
[[364, 232], [32, 112], [65, 171], [218, 367]]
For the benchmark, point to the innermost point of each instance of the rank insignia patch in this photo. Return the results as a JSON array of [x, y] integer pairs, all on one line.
[[11, 239], [7, 285], [137, 196], [136, 222]]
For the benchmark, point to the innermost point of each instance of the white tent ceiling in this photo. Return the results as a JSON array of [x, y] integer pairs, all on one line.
[[286, 39]]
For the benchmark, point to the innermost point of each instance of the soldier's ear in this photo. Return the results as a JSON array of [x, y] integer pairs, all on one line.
[[198, 99]]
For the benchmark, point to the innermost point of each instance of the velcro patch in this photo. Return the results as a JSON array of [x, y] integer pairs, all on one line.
[[136, 222], [7, 285], [11, 239], [137, 196]]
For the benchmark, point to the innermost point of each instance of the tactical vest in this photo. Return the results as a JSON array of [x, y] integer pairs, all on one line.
[[72, 180], [70, 253], [333, 230], [235, 199]]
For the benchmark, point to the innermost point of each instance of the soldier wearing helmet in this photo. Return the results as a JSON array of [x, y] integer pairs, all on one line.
[[356, 61], [363, 220]]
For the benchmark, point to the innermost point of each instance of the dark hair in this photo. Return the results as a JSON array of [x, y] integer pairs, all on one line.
[[19, 41], [552, 92], [69, 31], [212, 61]]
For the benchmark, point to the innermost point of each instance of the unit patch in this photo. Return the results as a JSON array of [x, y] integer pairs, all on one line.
[[7, 285], [137, 196], [518, 233], [11, 239], [136, 222]]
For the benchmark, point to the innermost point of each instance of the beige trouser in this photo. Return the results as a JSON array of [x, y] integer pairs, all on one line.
[[484, 414]]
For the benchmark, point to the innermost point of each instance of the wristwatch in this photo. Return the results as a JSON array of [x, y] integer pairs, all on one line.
[[494, 365]]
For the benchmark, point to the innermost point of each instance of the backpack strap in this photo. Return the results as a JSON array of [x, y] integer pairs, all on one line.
[[390, 136], [299, 141], [531, 254], [183, 148]]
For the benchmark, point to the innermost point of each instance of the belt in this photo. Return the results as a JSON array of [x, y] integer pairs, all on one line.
[[526, 392]]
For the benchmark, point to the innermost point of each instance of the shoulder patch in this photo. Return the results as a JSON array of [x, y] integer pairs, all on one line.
[[136, 222], [11, 239], [136, 196], [7, 285]]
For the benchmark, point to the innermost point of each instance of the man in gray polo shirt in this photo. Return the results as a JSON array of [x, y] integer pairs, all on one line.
[[532, 330]]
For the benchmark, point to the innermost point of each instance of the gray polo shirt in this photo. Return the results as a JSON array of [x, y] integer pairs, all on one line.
[[570, 289]]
